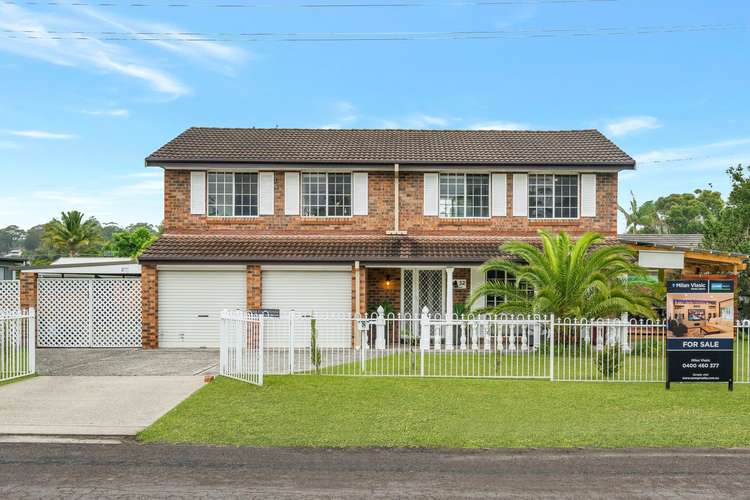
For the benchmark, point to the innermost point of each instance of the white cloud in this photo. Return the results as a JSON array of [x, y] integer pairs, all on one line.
[[631, 124], [345, 115], [730, 148], [97, 55], [40, 134], [143, 187], [115, 112], [499, 126], [9, 145]]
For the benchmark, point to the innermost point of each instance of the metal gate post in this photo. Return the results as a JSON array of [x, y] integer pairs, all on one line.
[[261, 328], [291, 341], [552, 348], [424, 338], [31, 339]]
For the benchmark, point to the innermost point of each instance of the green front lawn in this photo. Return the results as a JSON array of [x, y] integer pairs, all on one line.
[[309, 410]]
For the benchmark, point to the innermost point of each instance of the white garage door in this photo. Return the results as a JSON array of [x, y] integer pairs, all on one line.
[[323, 293], [190, 303]]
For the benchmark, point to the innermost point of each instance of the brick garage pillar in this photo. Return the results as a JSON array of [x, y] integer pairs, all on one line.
[[254, 287], [361, 306], [149, 307], [28, 290]]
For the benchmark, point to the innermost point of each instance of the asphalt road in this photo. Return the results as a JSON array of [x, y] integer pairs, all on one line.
[[149, 471]]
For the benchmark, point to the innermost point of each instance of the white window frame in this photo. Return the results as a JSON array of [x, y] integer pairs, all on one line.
[[554, 196], [466, 195], [326, 216], [208, 190]]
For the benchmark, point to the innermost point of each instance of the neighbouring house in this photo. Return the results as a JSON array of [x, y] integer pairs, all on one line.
[[340, 221], [88, 267], [10, 265], [682, 256]]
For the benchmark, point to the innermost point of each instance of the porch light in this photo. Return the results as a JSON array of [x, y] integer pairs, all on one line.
[[387, 280]]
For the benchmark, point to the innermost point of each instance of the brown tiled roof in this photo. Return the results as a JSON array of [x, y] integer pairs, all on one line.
[[685, 241], [229, 248], [688, 242], [384, 146]]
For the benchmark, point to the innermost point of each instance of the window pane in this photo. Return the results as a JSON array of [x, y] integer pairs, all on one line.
[[541, 202], [339, 195], [477, 195], [246, 194], [452, 195], [499, 276], [566, 196], [220, 194]]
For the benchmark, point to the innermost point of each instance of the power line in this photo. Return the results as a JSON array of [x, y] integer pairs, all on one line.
[[328, 5], [191, 36]]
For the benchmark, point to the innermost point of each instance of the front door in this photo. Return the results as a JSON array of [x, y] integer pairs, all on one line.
[[422, 288]]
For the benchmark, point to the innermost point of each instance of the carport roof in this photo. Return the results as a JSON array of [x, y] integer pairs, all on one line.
[[172, 248]]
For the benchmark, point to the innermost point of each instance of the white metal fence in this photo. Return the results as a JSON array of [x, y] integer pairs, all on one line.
[[17, 343], [10, 295], [528, 347], [89, 312], [240, 347]]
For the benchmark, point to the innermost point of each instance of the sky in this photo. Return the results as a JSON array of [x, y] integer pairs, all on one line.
[[90, 88]]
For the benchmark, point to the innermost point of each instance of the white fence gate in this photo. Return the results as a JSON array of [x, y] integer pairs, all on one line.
[[89, 312], [10, 295], [17, 344], [241, 346]]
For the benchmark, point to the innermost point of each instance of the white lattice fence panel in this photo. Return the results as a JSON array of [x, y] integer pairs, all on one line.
[[10, 295], [63, 313], [89, 313], [116, 314]]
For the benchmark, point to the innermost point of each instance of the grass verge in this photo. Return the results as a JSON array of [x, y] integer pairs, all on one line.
[[308, 410]]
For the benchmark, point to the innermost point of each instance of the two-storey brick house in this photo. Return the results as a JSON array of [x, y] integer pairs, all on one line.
[[342, 220]]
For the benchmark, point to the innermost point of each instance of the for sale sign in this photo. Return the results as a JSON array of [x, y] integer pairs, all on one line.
[[700, 340]]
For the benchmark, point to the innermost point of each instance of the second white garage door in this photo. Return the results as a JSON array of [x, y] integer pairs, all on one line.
[[322, 293], [190, 303]]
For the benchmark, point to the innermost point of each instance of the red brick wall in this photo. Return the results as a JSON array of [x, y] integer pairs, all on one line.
[[149, 307], [28, 285], [177, 217], [462, 273], [254, 287], [378, 291], [413, 220]]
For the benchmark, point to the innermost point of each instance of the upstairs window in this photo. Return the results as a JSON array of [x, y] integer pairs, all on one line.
[[232, 194], [553, 196], [464, 195], [326, 194]]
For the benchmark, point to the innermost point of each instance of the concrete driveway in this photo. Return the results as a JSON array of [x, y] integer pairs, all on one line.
[[102, 392], [91, 406], [126, 362]]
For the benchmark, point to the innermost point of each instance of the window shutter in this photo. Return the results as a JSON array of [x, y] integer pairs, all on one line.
[[198, 193], [499, 195], [359, 193], [265, 193], [431, 193], [291, 193], [588, 195], [520, 195]]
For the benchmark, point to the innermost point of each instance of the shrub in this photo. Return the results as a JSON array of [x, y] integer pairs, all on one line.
[[315, 355], [608, 360]]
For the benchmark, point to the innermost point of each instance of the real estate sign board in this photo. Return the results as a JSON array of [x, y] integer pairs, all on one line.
[[700, 337]]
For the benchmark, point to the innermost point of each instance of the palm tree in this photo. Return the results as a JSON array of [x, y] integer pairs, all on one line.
[[584, 279], [640, 218], [71, 234]]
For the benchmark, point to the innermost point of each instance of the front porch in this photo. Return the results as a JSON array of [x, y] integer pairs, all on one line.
[[408, 289]]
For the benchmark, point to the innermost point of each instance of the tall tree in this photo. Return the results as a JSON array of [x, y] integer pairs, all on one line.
[[71, 235], [730, 230], [686, 213], [132, 242], [11, 238], [569, 279], [640, 218]]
